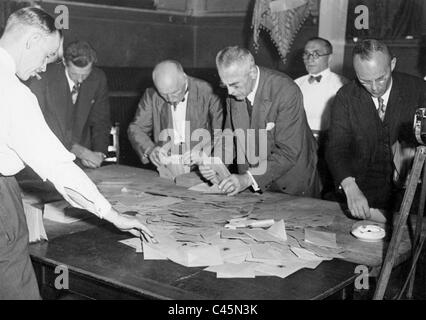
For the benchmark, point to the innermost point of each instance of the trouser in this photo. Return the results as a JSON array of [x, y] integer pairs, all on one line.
[[17, 277]]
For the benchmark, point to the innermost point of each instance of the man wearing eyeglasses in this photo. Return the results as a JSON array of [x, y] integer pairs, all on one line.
[[320, 85], [73, 96], [170, 113], [371, 121]]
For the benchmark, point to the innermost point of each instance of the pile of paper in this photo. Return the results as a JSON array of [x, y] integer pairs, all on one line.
[[34, 216]]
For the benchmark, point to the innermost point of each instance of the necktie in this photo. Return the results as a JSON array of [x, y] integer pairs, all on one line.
[[312, 79], [382, 108], [74, 92], [249, 108]]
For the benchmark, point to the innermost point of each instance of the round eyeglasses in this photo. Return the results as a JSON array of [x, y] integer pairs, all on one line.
[[315, 55]]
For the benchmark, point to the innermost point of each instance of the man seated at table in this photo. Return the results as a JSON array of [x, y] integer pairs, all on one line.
[[372, 128], [172, 111], [274, 146], [74, 99]]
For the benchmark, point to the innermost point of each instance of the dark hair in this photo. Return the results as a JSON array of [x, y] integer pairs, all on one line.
[[80, 53], [365, 48], [327, 44], [34, 17]]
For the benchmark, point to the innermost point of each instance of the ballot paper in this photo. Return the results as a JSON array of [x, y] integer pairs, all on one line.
[[232, 270], [206, 188], [278, 230], [34, 217], [57, 212], [321, 238]]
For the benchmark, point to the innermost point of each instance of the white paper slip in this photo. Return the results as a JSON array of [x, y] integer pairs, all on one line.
[[57, 211]]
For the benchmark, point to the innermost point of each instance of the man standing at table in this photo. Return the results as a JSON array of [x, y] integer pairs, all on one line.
[[74, 99], [275, 148], [179, 103], [28, 42], [371, 119]]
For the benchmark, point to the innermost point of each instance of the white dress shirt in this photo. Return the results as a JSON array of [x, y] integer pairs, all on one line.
[[318, 96], [179, 120], [385, 98], [25, 138], [251, 97]]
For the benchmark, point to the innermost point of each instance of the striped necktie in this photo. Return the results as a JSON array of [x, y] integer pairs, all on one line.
[[382, 108], [74, 92]]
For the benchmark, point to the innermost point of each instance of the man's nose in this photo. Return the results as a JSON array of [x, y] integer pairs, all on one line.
[[374, 86]]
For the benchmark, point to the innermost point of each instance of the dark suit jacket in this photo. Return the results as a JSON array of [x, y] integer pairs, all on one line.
[[352, 136], [289, 157], [86, 123], [204, 111]]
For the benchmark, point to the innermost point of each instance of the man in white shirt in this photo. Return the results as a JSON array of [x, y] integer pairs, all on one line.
[[29, 41], [320, 85]]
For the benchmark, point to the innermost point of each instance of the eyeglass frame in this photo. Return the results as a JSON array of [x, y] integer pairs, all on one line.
[[315, 55]]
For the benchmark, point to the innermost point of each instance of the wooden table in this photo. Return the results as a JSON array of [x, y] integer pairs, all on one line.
[[101, 267]]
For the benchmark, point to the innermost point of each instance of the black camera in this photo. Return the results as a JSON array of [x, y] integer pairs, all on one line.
[[419, 125]]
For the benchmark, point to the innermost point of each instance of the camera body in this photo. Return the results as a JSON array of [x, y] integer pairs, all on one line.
[[419, 125]]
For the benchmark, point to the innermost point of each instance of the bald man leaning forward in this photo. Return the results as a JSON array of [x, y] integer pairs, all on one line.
[[180, 104]]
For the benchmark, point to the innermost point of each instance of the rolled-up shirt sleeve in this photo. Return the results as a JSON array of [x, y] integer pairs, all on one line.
[[35, 144]]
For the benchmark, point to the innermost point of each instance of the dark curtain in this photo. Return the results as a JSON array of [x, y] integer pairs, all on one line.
[[388, 19]]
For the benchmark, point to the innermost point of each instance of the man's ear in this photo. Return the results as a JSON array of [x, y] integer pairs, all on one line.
[[33, 40], [253, 72]]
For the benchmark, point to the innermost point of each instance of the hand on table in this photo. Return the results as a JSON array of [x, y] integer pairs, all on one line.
[[357, 202], [235, 183], [130, 224], [155, 156]]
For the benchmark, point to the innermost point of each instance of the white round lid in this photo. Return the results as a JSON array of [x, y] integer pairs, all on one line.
[[368, 231]]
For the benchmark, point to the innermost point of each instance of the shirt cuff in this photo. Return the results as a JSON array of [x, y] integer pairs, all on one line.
[[254, 184]]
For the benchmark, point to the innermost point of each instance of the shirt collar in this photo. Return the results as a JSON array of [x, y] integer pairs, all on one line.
[[71, 83], [323, 73], [252, 94], [7, 61], [385, 96]]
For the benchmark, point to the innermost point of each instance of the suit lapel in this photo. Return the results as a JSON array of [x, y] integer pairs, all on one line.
[[261, 105], [63, 112]]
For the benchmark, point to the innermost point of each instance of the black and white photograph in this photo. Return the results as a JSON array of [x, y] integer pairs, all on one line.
[[212, 154]]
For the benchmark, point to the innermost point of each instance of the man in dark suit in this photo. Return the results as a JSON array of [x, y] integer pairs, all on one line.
[[171, 113], [74, 99], [372, 117], [274, 146]]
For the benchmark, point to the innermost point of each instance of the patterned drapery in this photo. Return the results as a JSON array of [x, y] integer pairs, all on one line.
[[282, 19]]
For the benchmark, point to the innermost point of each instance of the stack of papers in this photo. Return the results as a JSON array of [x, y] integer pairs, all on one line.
[[34, 216]]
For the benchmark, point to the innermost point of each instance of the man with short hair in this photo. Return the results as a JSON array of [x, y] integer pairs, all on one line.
[[320, 85], [29, 41], [274, 147], [73, 96], [371, 118], [172, 111]]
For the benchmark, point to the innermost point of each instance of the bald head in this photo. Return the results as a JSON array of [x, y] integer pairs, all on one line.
[[170, 80]]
